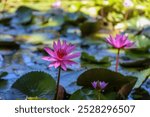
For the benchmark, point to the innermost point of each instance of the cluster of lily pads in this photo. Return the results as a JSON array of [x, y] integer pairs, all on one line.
[[96, 82]]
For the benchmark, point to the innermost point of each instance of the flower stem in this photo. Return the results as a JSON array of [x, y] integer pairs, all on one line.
[[98, 95], [117, 60], [57, 87]]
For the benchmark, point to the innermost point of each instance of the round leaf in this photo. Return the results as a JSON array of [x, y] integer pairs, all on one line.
[[35, 84], [116, 81], [88, 94]]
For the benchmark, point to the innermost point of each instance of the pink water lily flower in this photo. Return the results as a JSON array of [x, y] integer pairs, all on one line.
[[56, 4], [120, 41], [61, 55], [99, 85], [128, 3]]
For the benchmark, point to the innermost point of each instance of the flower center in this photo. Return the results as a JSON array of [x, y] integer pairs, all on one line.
[[61, 53]]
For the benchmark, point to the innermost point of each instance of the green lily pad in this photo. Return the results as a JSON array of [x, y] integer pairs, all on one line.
[[35, 98], [35, 84], [89, 94], [90, 27], [91, 59], [91, 62], [142, 41], [137, 53], [145, 62], [142, 75], [116, 80], [146, 32], [140, 94], [23, 15], [83, 94], [3, 74], [5, 18], [3, 82], [9, 45]]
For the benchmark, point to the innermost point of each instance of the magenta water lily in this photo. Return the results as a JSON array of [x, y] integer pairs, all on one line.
[[60, 57], [99, 85], [119, 42]]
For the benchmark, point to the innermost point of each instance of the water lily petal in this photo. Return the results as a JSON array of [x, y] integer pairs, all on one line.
[[72, 56], [49, 51], [47, 58]]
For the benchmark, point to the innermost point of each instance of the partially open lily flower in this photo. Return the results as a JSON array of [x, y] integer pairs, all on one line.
[[61, 55], [127, 3], [99, 85], [56, 4], [120, 41]]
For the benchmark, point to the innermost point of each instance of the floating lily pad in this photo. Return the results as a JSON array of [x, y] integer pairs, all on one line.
[[146, 31], [89, 94], [140, 94], [142, 76], [116, 80], [90, 27], [145, 62], [23, 15], [9, 45], [137, 53], [3, 82], [3, 74], [5, 18], [36, 98], [35, 84], [142, 41], [83, 94], [91, 59]]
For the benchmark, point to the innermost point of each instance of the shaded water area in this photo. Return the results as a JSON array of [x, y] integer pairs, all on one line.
[[25, 32]]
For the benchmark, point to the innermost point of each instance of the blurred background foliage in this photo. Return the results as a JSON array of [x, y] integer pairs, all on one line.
[[90, 7], [112, 11]]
